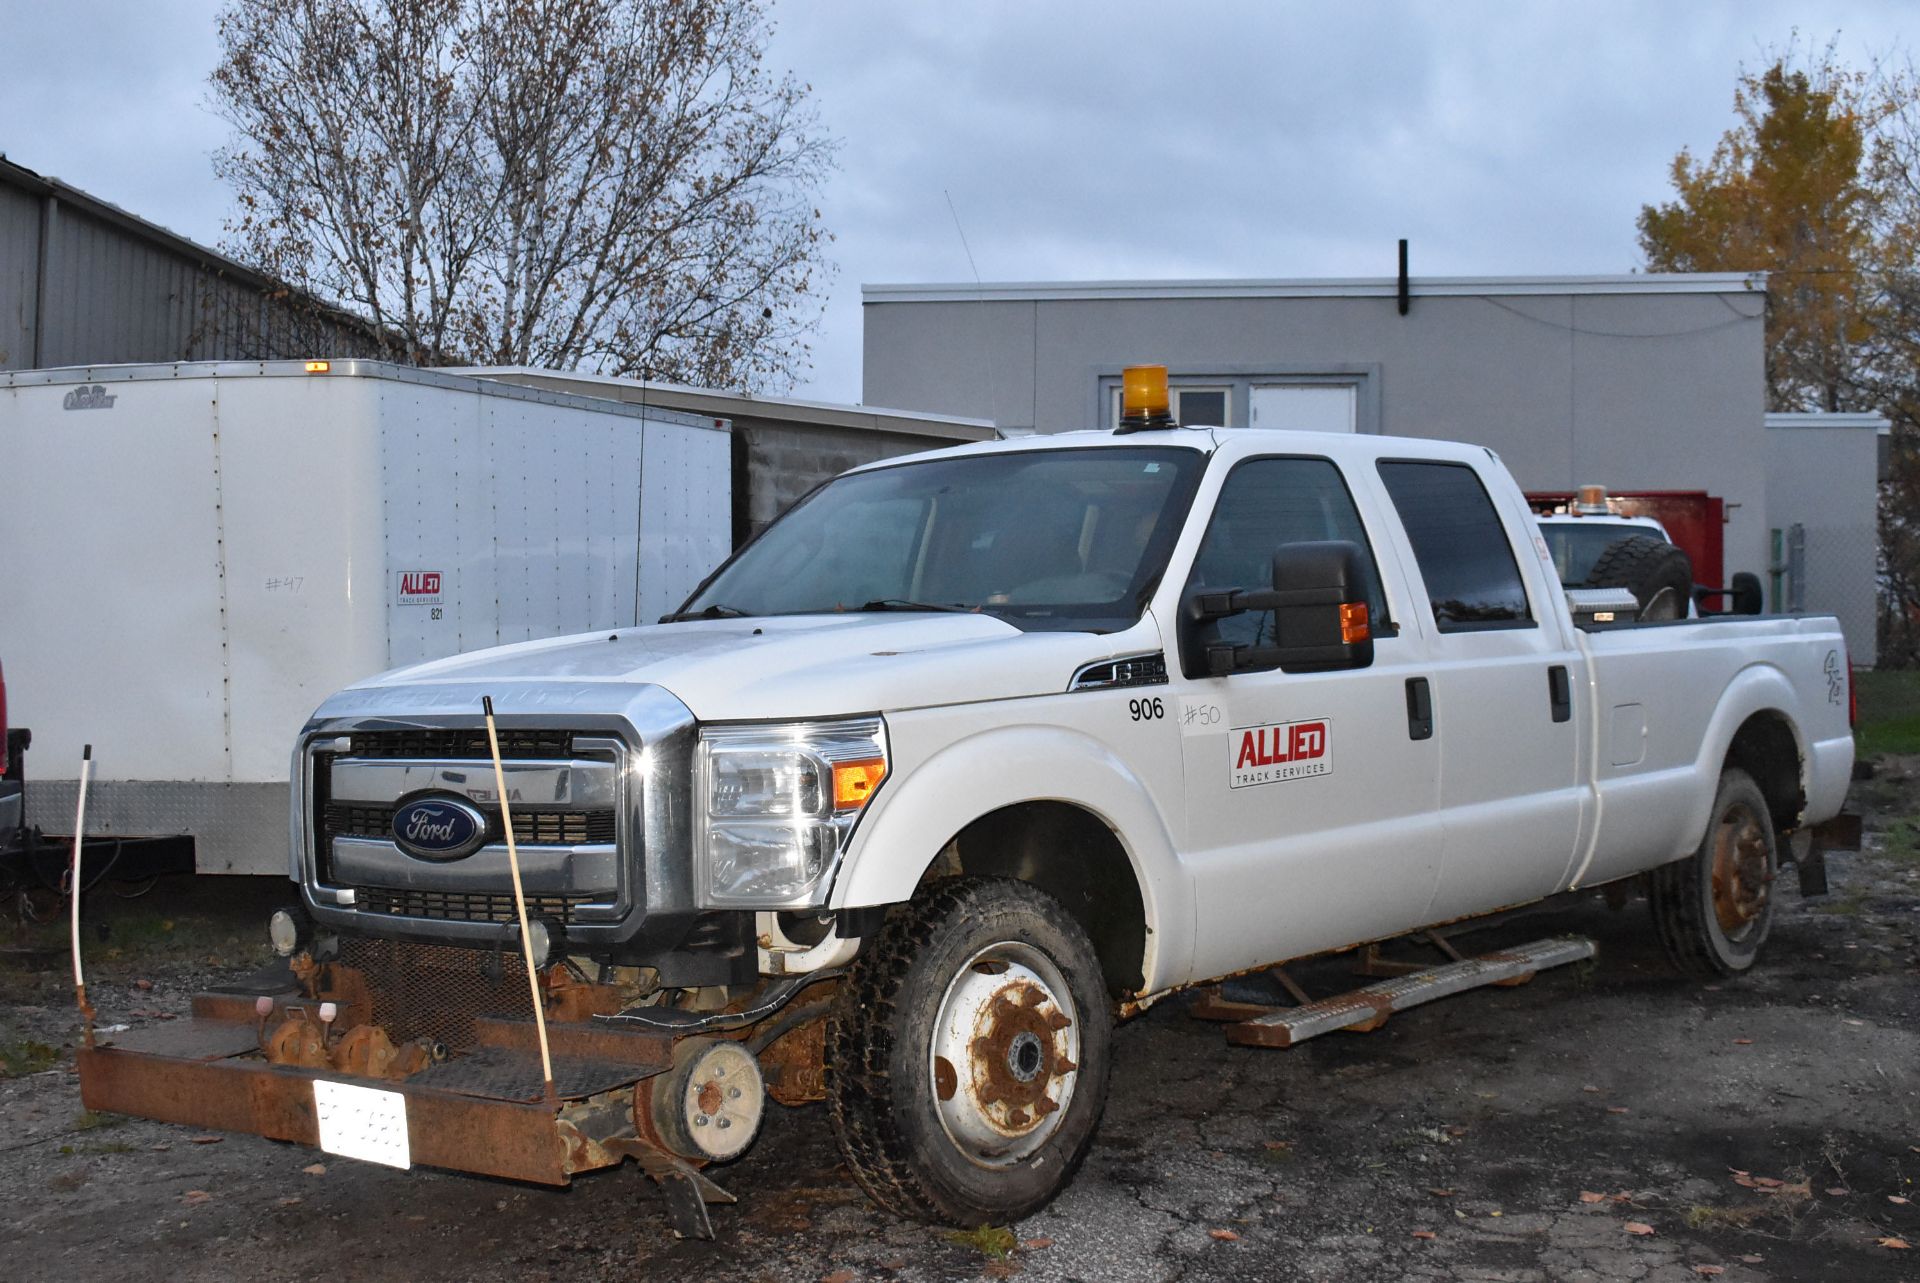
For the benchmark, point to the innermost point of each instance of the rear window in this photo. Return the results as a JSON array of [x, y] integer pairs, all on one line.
[[1463, 551], [1575, 547]]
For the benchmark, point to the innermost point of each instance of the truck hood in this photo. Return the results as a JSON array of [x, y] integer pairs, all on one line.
[[795, 666]]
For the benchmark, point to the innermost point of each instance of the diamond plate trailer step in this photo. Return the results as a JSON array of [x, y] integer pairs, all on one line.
[[1369, 1006]]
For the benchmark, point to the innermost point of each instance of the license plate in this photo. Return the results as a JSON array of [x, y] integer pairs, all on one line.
[[362, 1122]]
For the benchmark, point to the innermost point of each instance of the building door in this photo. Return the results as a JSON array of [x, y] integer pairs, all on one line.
[[1303, 407]]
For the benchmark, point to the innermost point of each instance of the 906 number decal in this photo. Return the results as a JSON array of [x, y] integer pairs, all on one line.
[[1146, 710]]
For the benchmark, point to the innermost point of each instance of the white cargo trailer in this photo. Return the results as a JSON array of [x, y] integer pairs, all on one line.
[[192, 556]]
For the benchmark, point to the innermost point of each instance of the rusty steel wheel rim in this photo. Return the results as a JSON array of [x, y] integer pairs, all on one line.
[[1742, 872], [1006, 1045]]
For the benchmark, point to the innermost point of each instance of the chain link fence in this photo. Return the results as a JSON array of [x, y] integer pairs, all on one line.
[[1830, 570]]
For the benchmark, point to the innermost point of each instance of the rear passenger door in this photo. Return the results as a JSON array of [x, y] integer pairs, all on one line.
[[1505, 715], [1311, 805]]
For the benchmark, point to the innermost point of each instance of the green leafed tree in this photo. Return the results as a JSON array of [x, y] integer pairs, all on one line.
[[614, 185]]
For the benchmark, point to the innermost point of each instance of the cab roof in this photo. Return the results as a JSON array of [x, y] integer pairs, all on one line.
[[1339, 446]]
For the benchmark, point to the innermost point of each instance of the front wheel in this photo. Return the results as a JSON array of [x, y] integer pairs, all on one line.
[[1713, 909], [967, 1054]]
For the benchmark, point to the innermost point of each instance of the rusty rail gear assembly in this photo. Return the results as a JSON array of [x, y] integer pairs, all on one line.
[[406, 1054]]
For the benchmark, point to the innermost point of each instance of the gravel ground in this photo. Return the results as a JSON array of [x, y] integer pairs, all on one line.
[[1765, 1128]]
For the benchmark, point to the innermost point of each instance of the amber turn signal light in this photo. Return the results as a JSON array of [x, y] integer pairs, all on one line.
[[854, 782], [1353, 623]]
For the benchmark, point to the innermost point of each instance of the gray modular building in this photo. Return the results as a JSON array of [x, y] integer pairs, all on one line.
[[1636, 382], [83, 282], [782, 447], [1822, 517]]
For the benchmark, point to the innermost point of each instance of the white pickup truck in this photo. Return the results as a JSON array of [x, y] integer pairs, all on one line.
[[966, 755]]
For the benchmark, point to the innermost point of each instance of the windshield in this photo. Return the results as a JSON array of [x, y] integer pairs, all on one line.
[[1577, 545], [1047, 539]]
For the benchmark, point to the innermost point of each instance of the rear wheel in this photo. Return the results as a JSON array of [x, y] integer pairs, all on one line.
[[967, 1054], [1713, 909], [1659, 575]]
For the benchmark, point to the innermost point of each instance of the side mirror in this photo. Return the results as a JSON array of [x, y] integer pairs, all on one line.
[[1746, 597], [1319, 605]]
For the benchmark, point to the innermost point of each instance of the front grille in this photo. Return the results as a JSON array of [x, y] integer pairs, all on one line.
[[435, 991], [469, 742], [464, 906], [530, 827]]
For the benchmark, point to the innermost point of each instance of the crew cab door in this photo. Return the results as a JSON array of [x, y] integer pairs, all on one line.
[[1505, 678], [1310, 799]]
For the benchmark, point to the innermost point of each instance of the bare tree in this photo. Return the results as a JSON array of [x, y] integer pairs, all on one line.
[[619, 185]]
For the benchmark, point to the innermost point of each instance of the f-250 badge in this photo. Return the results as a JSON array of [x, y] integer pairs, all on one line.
[[1281, 751]]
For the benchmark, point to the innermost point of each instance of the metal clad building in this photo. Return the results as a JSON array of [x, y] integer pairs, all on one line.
[[1822, 518], [1643, 381], [83, 282]]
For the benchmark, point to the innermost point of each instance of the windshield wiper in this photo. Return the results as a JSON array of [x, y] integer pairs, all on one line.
[[715, 611], [901, 603]]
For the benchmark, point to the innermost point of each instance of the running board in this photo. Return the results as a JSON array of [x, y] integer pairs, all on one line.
[[1368, 1007]]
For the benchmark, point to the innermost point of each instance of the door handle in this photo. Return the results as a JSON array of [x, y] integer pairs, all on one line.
[[1419, 709], [1560, 693]]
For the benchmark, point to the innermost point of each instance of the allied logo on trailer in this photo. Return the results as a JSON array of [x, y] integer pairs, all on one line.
[[94, 396], [439, 828], [419, 588], [1279, 751]]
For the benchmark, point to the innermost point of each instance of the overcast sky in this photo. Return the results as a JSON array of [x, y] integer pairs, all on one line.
[[1095, 140]]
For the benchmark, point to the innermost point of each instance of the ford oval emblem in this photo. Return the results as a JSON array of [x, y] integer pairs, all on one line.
[[439, 828]]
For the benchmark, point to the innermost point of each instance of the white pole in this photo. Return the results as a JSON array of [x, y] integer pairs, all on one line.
[[73, 889], [519, 898]]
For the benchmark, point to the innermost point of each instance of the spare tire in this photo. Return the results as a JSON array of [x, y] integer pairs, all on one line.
[[1659, 575]]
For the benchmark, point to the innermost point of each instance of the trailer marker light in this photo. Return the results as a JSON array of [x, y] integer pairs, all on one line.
[[854, 782], [319, 367], [1353, 622]]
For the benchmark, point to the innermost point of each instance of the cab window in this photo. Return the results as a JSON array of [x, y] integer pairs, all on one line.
[[1266, 503], [1463, 550]]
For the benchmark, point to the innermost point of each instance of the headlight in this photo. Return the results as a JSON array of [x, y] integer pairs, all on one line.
[[777, 804]]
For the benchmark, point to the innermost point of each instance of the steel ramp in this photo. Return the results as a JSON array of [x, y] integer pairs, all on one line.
[[1368, 1007]]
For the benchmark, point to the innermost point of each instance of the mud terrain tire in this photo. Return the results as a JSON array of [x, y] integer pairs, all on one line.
[[967, 1054], [1713, 909]]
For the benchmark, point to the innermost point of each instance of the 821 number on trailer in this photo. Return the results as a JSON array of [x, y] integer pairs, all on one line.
[[1146, 710]]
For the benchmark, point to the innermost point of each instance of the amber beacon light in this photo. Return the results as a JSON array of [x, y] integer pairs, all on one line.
[[1143, 398]]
